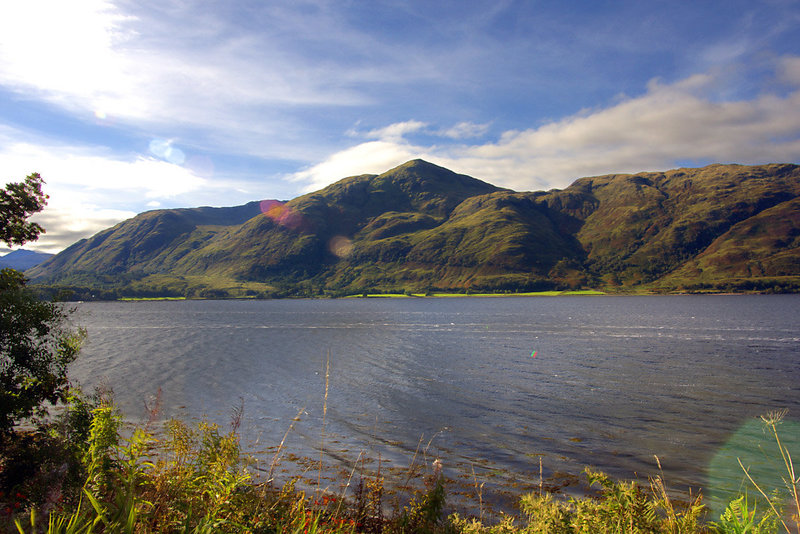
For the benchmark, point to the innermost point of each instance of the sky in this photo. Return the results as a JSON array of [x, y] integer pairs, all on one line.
[[127, 106]]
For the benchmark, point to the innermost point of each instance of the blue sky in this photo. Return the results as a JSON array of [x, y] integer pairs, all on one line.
[[125, 106]]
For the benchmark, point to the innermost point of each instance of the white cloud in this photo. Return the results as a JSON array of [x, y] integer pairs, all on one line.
[[66, 224], [398, 130], [395, 132], [669, 124], [83, 183], [246, 80], [65, 168], [465, 130], [163, 68], [373, 157], [67, 52]]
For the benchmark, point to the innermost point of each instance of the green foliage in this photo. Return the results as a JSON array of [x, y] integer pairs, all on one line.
[[101, 457], [739, 518], [45, 466], [198, 474], [18, 201], [75, 523], [192, 480], [36, 346], [35, 349], [620, 507], [423, 514]]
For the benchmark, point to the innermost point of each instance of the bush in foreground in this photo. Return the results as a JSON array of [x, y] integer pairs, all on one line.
[[196, 479]]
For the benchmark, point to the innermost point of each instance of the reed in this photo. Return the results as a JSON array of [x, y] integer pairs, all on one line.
[[324, 420]]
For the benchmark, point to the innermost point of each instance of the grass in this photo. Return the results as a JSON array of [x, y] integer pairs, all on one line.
[[584, 292], [136, 299], [386, 295], [195, 478]]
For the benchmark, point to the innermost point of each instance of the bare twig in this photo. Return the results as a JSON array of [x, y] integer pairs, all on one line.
[[344, 490]]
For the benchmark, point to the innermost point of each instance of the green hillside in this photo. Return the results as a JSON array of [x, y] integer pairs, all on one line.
[[421, 227], [650, 224]]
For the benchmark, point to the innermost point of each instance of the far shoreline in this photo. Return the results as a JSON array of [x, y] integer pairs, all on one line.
[[446, 295]]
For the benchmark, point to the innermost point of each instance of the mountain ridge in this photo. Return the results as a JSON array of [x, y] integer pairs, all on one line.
[[421, 226], [22, 259]]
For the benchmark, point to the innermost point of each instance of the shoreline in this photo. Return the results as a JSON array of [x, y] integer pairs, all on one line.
[[445, 295]]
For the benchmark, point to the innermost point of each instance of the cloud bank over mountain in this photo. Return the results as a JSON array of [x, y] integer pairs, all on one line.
[[126, 106]]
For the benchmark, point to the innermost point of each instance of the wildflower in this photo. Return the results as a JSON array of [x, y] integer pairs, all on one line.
[[437, 467]]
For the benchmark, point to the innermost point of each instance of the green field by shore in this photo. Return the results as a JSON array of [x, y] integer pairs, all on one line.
[[584, 292]]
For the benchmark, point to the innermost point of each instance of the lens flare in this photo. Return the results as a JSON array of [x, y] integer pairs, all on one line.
[[281, 214], [164, 150], [340, 246], [755, 447]]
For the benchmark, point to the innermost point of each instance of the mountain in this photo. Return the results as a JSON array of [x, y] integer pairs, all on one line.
[[663, 227], [22, 259], [150, 242], [420, 226]]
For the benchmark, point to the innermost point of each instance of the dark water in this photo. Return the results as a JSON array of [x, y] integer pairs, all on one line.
[[615, 380]]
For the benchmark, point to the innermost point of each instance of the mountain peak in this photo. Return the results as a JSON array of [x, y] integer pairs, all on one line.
[[421, 175], [419, 164]]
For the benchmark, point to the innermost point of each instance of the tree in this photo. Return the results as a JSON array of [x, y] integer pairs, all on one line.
[[18, 201], [36, 340]]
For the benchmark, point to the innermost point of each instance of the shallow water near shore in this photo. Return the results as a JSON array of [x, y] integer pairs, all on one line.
[[614, 380]]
